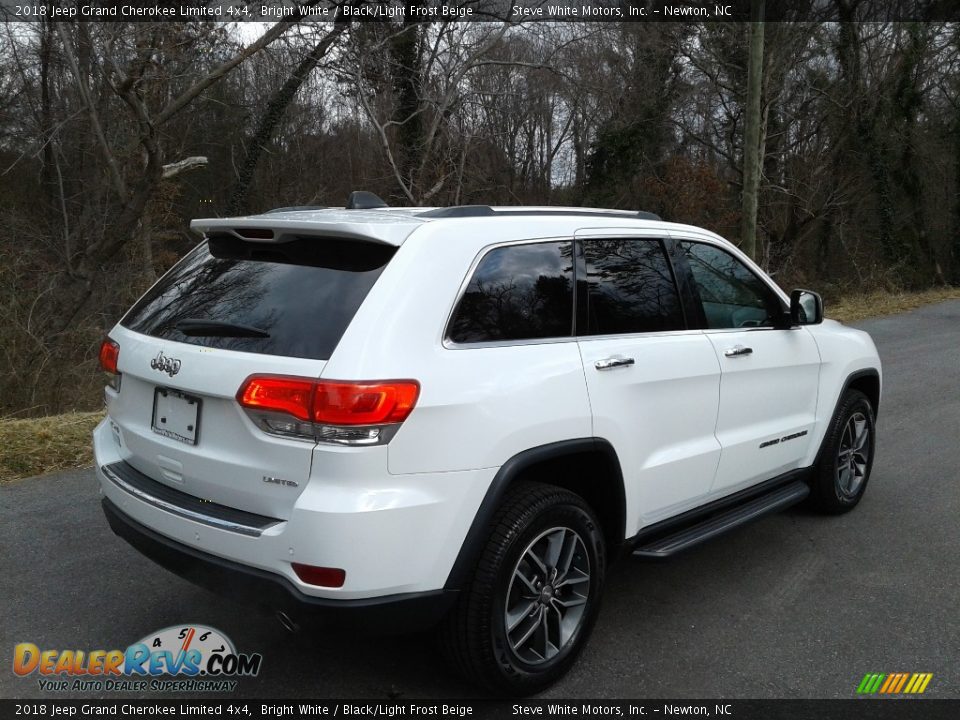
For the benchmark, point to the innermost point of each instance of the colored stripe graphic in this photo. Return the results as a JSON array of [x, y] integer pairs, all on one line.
[[918, 683], [913, 681], [903, 680], [890, 682], [894, 683], [870, 683]]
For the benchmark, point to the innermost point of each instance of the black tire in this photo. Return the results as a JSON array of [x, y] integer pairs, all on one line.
[[839, 477], [474, 636]]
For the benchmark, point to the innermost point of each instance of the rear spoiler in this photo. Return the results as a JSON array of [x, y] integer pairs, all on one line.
[[377, 228]]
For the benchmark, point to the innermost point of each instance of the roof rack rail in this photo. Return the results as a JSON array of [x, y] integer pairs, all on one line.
[[363, 200], [467, 211], [459, 211], [295, 208]]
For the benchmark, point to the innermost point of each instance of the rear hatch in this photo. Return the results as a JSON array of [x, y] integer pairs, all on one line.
[[233, 308]]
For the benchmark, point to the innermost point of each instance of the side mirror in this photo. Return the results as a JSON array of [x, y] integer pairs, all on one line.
[[806, 308]]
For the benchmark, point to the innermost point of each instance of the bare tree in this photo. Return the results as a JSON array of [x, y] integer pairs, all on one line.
[[273, 112], [114, 135], [450, 52], [131, 83]]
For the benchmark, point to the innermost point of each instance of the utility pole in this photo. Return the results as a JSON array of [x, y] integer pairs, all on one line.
[[751, 133]]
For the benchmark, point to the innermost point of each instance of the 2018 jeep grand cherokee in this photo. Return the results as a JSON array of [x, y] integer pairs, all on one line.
[[459, 416]]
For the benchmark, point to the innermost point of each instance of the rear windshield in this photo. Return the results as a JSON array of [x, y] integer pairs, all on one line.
[[301, 295]]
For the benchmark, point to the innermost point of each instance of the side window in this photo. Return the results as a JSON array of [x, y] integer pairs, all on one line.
[[518, 292], [630, 288], [732, 296]]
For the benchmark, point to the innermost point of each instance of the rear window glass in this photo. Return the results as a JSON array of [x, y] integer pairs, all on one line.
[[518, 292], [293, 299]]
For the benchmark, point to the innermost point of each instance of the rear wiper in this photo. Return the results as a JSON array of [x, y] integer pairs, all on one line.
[[197, 327]]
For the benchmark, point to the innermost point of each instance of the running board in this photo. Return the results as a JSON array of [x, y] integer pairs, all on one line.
[[723, 521]]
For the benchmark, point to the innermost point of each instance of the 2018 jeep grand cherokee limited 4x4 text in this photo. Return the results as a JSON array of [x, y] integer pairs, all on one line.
[[459, 416]]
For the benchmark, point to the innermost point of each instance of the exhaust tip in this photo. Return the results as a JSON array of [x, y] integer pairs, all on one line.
[[287, 622]]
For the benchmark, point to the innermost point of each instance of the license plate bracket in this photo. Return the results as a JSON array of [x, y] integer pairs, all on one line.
[[176, 415]]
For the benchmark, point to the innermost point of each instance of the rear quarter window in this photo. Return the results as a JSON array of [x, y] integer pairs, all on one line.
[[518, 292], [301, 294]]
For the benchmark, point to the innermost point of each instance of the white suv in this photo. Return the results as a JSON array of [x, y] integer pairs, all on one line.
[[460, 416]]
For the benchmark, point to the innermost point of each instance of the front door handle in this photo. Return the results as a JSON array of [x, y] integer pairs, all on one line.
[[738, 351], [613, 362]]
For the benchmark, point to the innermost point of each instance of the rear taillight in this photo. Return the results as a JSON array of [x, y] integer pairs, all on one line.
[[292, 396], [109, 356], [342, 403], [350, 413]]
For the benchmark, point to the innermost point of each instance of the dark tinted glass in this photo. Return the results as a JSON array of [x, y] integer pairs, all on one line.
[[630, 288], [302, 293], [518, 292], [731, 294]]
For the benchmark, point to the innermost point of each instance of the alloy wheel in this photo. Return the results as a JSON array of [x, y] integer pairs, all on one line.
[[853, 455], [547, 595]]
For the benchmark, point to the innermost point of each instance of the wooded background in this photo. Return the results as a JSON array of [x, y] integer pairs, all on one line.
[[114, 135]]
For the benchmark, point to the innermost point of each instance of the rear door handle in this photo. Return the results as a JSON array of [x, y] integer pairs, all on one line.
[[613, 362], [738, 351]]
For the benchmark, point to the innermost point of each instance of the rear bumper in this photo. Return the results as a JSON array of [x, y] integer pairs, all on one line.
[[274, 593], [393, 534]]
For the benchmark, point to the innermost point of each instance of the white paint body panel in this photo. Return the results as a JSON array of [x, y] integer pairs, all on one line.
[[354, 515], [765, 396], [478, 406], [232, 455], [683, 422], [659, 414], [843, 352]]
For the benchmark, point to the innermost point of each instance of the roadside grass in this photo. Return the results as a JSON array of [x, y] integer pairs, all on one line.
[[850, 308], [36, 446]]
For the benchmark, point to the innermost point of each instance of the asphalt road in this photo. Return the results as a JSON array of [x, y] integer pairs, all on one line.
[[795, 605]]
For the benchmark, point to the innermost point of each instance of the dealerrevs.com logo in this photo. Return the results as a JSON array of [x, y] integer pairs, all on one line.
[[181, 658]]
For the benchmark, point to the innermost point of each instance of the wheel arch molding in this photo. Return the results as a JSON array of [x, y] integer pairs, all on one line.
[[561, 464], [867, 381]]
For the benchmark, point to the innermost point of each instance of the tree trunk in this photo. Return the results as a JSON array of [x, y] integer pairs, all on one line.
[[955, 245], [408, 86], [272, 116], [146, 240], [752, 133], [46, 121]]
